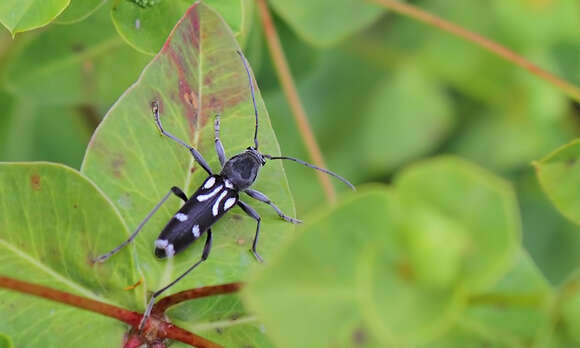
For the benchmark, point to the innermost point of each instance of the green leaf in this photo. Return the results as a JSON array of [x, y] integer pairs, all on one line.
[[347, 276], [85, 63], [480, 207], [513, 313], [559, 175], [147, 28], [197, 75], [326, 22], [30, 134], [79, 10], [221, 319], [22, 15], [53, 221], [552, 240]]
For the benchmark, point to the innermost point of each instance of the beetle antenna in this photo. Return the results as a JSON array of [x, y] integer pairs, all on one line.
[[313, 167], [253, 97]]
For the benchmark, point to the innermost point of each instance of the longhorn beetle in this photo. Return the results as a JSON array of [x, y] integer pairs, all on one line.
[[218, 194]]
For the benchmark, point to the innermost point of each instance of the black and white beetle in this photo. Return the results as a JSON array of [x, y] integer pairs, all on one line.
[[218, 194]]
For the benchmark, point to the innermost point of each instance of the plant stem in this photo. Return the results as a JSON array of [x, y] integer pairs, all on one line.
[[124, 315], [163, 304], [289, 87], [411, 11]]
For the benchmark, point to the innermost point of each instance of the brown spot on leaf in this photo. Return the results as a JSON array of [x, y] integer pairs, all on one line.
[[191, 98], [35, 182], [571, 162], [193, 169], [236, 217], [359, 337], [185, 91], [207, 80], [77, 47], [405, 271], [219, 330], [241, 241], [88, 66], [117, 164]]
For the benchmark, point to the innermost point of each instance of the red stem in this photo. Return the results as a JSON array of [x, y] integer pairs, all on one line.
[[162, 328], [416, 13], [168, 301]]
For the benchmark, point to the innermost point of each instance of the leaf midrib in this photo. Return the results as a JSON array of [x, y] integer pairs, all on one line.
[[49, 271]]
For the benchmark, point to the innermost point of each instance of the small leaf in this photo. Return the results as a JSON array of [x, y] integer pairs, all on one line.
[[30, 134], [22, 15], [197, 75], [79, 10], [482, 205], [326, 22], [146, 27], [559, 175], [347, 276], [53, 221]]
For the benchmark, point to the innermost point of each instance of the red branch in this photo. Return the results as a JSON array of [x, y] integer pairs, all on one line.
[[168, 301], [422, 16], [158, 328]]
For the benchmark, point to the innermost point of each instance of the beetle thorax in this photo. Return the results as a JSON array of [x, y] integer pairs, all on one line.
[[242, 170]]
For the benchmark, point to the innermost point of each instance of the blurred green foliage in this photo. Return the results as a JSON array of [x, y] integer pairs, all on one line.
[[382, 92]]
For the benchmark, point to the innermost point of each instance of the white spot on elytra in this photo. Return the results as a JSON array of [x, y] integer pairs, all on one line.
[[205, 197], [229, 184], [229, 202], [181, 217], [214, 209], [209, 183], [164, 244], [195, 231], [161, 243], [169, 251]]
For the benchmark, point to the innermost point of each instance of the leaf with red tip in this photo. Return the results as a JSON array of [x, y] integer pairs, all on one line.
[[197, 75]]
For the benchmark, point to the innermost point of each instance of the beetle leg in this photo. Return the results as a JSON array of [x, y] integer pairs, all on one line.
[[174, 190], [196, 155], [263, 198], [204, 255], [219, 148], [254, 215]]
